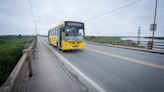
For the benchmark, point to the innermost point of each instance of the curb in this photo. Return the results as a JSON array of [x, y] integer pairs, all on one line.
[[124, 47]]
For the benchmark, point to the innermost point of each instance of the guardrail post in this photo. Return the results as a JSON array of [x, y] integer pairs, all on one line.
[[149, 45], [128, 42]]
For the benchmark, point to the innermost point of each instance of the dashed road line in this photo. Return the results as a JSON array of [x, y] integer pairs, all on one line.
[[128, 59]]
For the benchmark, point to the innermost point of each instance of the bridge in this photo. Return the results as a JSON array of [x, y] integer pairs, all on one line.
[[97, 68]]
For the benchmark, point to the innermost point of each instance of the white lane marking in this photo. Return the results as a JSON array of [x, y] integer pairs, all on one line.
[[128, 59], [100, 89]]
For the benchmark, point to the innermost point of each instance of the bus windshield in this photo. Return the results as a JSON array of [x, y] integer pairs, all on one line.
[[74, 31]]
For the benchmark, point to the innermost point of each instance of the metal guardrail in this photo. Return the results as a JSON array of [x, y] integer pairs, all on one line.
[[157, 45], [131, 43], [129, 47], [21, 72], [140, 44]]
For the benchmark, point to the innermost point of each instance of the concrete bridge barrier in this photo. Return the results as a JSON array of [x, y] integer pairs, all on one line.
[[21, 72]]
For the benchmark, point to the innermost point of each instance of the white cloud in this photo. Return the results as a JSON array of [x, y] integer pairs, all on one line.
[[16, 16]]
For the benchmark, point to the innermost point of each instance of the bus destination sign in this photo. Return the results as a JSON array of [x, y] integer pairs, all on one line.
[[74, 24]]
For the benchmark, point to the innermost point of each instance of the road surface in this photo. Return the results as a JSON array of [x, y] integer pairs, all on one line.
[[117, 69]]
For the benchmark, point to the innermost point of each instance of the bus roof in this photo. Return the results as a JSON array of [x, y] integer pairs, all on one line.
[[64, 22]]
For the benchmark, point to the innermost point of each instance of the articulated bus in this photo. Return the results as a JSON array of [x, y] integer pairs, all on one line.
[[69, 35]]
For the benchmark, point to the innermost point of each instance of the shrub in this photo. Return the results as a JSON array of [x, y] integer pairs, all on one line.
[[10, 52]]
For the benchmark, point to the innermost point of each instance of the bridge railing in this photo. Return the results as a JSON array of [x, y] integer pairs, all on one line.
[[156, 45], [21, 72], [140, 44]]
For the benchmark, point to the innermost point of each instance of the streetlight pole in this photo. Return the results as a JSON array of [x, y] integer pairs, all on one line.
[[154, 24], [139, 35], [35, 23], [32, 13], [35, 28]]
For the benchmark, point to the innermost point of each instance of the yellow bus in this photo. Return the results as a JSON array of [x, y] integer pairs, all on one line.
[[68, 35]]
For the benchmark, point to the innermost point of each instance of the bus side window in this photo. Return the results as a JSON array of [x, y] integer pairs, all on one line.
[[51, 33], [55, 32]]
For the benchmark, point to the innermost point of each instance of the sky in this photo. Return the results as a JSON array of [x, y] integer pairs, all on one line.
[[16, 17]]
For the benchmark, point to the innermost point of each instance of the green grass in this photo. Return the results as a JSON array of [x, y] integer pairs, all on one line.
[[10, 52], [106, 40]]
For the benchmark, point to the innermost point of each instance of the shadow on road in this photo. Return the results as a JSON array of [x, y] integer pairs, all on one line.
[[67, 51]]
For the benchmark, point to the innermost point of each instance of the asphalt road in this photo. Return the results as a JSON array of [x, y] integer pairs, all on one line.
[[117, 69]]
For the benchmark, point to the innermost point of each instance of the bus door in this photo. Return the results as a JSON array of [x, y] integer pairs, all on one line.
[[60, 39], [61, 36]]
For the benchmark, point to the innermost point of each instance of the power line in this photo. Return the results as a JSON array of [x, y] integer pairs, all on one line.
[[32, 13], [115, 10]]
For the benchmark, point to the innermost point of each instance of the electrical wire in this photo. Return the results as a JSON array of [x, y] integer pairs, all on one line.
[[115, 10], [32, 12]]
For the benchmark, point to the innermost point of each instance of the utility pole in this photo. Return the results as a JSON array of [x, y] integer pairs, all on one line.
[[154, 25], [35, 28], [35, 23], [32, 13], [139, 35]]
